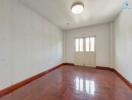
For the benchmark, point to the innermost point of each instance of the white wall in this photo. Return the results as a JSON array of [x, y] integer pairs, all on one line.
[[123, 43], [104, 54], [29, 44]]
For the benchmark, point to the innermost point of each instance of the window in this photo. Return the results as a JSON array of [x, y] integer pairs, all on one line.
[[85, 44], [79, 45], [92, 44]]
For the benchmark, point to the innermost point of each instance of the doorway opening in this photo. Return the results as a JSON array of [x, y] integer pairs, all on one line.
[[85, 51]]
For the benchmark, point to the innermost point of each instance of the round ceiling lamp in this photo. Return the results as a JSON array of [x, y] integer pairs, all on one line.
[[77, 8]]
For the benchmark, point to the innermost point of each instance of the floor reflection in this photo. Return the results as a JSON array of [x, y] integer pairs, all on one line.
[[85, 86]]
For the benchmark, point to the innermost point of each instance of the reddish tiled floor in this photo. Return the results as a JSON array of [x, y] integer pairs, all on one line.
[[74, 83]]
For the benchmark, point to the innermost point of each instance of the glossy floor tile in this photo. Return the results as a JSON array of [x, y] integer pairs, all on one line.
[[74, 83]]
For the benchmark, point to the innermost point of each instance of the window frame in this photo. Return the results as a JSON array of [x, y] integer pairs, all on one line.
[[84, 44]]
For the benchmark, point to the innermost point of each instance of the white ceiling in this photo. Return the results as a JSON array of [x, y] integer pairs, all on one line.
[[59, 11]]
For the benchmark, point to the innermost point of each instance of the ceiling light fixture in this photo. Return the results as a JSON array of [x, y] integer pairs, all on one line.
[[77, 8]]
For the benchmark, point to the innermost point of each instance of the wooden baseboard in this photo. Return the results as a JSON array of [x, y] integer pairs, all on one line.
[[117, 73], [71, 64], [22, 83], [129, 84], [104, 68]]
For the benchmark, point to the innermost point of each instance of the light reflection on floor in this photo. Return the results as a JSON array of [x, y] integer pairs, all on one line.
[[85, 86]]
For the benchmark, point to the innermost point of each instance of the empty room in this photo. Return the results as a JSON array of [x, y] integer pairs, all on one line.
[[65, 49]]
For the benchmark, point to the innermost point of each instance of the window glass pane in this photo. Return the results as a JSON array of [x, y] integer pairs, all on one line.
[[92, 44], [77, 45], [87, 44], [81, 44]]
